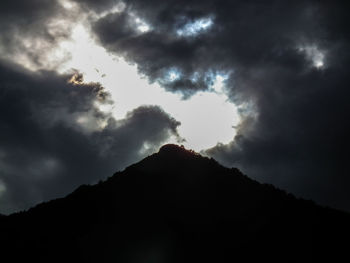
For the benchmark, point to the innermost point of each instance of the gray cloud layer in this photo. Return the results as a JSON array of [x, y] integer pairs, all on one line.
[[26, 29]]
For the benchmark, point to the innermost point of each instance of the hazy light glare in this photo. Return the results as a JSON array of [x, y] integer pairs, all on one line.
[[206, 118]]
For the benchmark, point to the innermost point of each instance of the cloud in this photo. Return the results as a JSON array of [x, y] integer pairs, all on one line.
[[298, 140], [98, 6], [54, 137], [287, 71], [32, 29], [222, 46]]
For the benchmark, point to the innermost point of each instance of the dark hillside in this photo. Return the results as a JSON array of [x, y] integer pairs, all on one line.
[[177, 206]]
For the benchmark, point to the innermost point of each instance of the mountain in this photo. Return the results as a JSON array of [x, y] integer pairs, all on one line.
[[176, 206]]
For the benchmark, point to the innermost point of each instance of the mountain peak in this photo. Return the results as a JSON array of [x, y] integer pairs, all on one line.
[[174, 150]]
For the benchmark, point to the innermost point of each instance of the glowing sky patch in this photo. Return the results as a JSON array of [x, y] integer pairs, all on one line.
[[196, 27], [206, 118]]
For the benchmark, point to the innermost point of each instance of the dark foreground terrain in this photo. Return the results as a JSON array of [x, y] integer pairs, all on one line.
[[176, 206]]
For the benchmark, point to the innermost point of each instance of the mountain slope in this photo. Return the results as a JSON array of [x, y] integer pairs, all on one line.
[[176, 206]]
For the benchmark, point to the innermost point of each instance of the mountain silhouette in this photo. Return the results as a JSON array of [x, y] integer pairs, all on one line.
[[176, 206]]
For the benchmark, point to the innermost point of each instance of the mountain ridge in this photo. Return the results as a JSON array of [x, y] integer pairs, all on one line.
[[183, 205], [173, 150]]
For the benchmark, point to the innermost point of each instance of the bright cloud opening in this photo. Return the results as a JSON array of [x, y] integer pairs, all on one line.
[[207, 118]]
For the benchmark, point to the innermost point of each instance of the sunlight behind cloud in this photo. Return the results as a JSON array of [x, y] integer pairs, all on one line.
[[196, 27], [314, 54], [173, 75], [141, 25], [206, 118]]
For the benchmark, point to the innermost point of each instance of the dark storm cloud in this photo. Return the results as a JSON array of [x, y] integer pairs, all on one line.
[[21, 13], [295, 116], [242, 34], [299, 138], [156, 53], [51, 140]]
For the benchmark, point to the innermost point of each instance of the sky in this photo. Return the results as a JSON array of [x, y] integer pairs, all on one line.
[[89, 87]]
